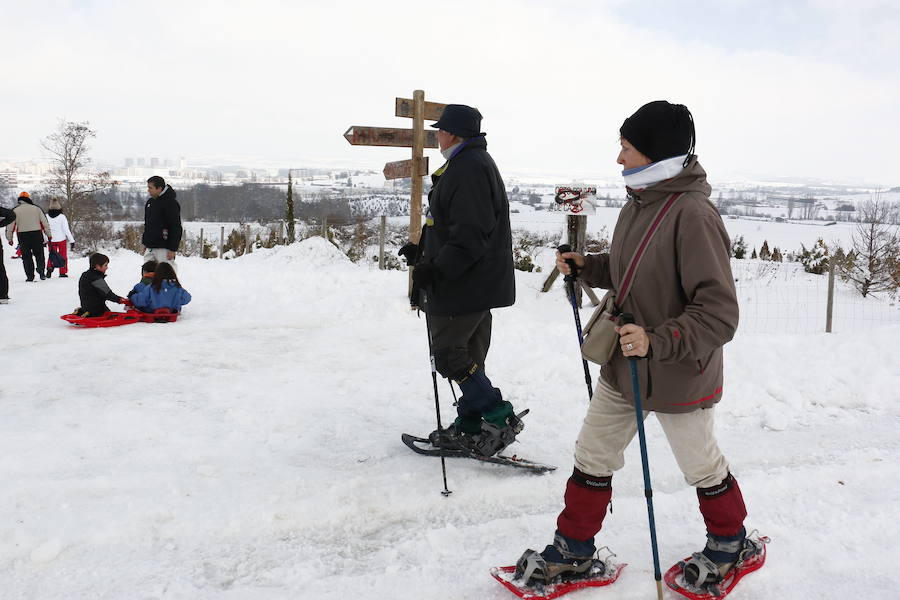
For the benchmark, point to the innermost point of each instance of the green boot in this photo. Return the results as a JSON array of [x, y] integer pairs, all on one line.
[[499, 413]]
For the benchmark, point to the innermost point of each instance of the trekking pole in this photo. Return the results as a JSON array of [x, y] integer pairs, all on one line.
[[437, 404], [570, 292], [624, 319]]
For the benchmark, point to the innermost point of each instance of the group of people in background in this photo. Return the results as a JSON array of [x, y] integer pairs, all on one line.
[[159, 288]]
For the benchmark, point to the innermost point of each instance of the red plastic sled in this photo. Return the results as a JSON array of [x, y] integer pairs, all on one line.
[[114, 319], [107, 319]]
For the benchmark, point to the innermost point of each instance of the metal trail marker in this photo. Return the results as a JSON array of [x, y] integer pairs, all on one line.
[[416, 138]]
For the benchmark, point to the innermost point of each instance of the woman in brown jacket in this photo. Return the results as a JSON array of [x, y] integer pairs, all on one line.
[[683, 300]]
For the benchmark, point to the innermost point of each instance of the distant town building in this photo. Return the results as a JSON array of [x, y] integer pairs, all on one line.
[[9, 178]]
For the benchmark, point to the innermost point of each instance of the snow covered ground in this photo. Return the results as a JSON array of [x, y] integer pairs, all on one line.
[[252, 449]]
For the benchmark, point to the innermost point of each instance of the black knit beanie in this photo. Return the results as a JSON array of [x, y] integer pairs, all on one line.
[[660, 130]]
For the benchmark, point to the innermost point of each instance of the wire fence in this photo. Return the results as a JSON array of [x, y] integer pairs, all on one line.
[[783, 298]]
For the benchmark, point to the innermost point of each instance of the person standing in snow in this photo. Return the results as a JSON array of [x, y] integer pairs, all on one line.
[[463, 264], [60, 234], [685, 308], [32, 229], [162, 222], [7, 217]]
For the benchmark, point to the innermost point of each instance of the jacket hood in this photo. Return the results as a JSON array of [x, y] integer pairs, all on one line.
[[691, 179], [54, 212], [23, 199], [168, 193]]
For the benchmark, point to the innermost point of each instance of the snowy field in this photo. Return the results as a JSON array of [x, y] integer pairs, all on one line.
[[252, 449]]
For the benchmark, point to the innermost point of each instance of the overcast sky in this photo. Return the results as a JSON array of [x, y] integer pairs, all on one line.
[[806, 89]]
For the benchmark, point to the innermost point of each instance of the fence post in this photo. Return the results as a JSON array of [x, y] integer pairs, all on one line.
[[829, 311], [221, 241], [201, 243], [381, 242]]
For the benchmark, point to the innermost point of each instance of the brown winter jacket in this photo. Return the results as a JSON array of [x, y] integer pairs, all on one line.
[[683, 294], [28, 218]]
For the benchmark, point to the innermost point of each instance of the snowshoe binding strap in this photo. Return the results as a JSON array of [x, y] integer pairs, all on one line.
[[493, 439], [700, 570], [533, 569]]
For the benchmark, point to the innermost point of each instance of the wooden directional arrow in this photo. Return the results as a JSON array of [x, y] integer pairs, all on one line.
[[387, 136], [403, 168], [433, 110]]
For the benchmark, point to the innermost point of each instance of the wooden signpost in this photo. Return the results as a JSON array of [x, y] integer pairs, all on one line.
[[403, 168], [576, 229], [416, 138], [387, 136]]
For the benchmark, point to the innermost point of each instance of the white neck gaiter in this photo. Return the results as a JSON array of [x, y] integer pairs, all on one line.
[[643, 177], [448, 153]]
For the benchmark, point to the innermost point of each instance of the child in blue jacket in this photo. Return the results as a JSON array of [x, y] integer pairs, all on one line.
[[164, 291], [147, 271]]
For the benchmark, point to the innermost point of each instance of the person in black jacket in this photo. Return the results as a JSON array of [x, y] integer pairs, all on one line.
[[162, 222], [463, 267], [7, 216], [93, 291]]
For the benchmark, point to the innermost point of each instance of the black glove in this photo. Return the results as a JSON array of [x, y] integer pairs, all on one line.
[[72, 245], [409, 252], [425, 275]]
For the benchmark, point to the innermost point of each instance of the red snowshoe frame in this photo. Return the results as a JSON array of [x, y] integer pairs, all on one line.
[[114, 319]]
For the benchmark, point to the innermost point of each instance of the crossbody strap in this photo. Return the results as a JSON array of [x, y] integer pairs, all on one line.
[[625, 287]]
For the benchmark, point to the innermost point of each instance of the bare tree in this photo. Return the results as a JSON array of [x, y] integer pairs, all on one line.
[[70, 178], [876, 249]]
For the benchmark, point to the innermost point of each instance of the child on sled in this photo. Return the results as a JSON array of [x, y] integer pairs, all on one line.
[[148, 269], [93, 291], [164, 294]]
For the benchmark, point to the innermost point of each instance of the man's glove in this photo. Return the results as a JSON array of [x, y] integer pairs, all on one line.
[[409, 252], [72, 245], [425, 275]]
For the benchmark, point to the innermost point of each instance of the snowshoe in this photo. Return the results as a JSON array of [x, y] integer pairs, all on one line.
[[565, 558], [585, 572], [700, 577]]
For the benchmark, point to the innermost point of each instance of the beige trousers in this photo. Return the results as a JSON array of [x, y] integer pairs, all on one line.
[[160, 255], [610, 425]]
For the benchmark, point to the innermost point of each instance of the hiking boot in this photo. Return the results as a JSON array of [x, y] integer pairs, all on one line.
[[63, 275], [460, 435], [718, 558], [4, 300], [564, 560]]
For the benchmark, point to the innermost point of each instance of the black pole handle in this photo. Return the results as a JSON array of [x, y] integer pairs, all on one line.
[[626, 319], [562, 249]]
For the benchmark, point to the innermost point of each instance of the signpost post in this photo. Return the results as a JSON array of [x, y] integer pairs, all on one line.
[[416, 138]]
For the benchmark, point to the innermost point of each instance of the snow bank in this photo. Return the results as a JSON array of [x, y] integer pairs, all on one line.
[[252, 449]]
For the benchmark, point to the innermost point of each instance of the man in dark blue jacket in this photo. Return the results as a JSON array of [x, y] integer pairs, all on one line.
[[162, 222], [464, 268]]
